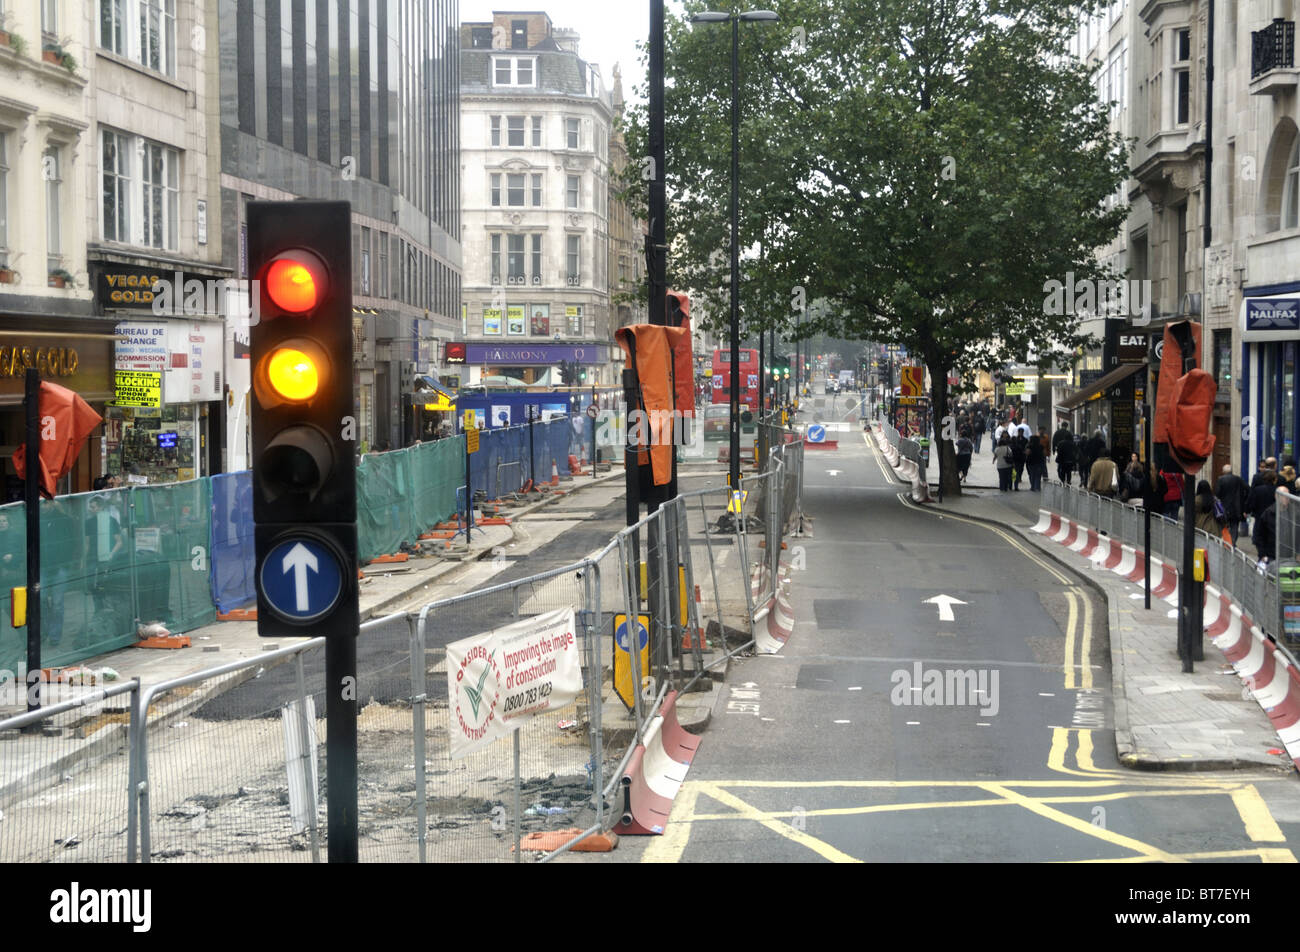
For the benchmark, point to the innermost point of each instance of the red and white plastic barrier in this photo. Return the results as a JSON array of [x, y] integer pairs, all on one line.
[[656, 772], [1273, 680]]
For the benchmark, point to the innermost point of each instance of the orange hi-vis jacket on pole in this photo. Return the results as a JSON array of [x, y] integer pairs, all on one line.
[[1171, 368], [661, 357]]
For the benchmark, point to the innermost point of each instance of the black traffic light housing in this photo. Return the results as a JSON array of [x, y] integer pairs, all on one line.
[[302, 415]]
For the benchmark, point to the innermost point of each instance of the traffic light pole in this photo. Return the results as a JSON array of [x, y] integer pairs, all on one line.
[[32, 508]]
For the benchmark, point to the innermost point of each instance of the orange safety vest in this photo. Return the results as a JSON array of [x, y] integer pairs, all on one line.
[[661, 357]]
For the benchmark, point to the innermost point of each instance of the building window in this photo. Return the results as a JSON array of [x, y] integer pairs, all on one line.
[[574, 243], [496, 259], [537, 190], [160, 179], [572, 192], [1291, 189], [1182, 76], [112, 26], [537, 259], [513, 71], [116, 190], [365, 260], [496, 130], [50, 16], [537, 132], [515, 131], [571, 133], [495, 190], [4, 199], [158, 35], [53, 207], [1223, 358], [519, 34], [515, 190], [515, 258], [382, 272]]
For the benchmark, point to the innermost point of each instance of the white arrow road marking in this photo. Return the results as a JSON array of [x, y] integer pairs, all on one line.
[[299, 560], [945, 603], [833, 472]]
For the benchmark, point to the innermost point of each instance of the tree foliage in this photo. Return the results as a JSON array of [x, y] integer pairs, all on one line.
[[923, 167]]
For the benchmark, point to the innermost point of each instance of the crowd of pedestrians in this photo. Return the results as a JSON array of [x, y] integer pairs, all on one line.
[[1228, 509]]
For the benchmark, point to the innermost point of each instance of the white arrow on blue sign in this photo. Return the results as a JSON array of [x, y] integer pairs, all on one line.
[[816, 433], [302, 579]]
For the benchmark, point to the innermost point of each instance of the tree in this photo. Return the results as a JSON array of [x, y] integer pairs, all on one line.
[[922, 167]]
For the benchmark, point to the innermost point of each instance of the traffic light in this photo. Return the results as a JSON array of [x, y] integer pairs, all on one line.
[[582, 374], [303, 428]]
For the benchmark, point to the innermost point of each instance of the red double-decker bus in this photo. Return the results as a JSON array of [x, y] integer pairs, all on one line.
[[748, 377]]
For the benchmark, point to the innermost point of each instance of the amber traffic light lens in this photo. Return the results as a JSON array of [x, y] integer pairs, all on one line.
[[293, 374], [293, 285]]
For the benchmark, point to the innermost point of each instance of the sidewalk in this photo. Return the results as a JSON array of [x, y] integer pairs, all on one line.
[[1164, 719], [383, 589]]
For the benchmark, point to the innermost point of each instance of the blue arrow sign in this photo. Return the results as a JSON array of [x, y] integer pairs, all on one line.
[[816, 433], [620, 635], [302, 579]]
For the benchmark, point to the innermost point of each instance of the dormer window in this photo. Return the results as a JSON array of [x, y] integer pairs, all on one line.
[[514, 71]]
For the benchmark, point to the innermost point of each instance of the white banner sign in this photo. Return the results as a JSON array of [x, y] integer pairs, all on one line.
[[497, 680]]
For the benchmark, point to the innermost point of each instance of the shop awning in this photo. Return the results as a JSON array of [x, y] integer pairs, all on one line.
[[1084, 394], [433, 396]]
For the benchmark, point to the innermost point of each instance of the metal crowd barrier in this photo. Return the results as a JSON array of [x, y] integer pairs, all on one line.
[[1258, 590], [224, 764]]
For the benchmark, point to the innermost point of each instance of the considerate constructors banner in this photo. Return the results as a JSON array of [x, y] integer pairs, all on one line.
[[497, 680]]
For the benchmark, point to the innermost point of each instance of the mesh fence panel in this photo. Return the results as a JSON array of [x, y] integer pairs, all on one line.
[[64, 783], [219, 766], [1288, 569], [470, 801], [171, 531]]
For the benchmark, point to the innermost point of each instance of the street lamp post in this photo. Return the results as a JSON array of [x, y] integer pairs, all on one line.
[[735, 18]]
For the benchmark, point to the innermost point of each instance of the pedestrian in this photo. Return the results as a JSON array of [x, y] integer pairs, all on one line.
[[1265, 534], [1019, 446], [1065, 455], [1081, 452], [1062, 435], [1002, 460], [1103, 478], [1036, 461], [964, 449], [1210, 516], [978, 430], [1232, 493], [1173, 495], [1287, 478], [1133, 480], [1260, 496]]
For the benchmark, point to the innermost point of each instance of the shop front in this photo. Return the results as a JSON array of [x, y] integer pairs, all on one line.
[[164, 422], [65, 353], [166, 381], [1270, 334], [527, 363]]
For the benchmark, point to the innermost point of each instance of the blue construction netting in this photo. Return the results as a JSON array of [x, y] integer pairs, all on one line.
[[232, 540]]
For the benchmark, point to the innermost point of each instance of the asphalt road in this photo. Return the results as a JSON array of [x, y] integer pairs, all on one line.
[[887, 733]]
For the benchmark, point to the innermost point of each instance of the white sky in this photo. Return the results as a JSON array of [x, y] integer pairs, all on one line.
[[608, 31]]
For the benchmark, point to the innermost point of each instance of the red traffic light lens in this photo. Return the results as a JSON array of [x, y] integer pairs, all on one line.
[[295, 282]]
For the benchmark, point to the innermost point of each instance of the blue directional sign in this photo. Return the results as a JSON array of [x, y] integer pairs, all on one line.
[[816, 433], [301, 579]]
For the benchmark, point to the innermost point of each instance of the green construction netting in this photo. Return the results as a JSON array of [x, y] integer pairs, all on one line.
[[437, 469], [109, 560], [404, 493]]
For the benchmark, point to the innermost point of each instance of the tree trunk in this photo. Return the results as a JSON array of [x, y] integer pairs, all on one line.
[[943, 450]]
